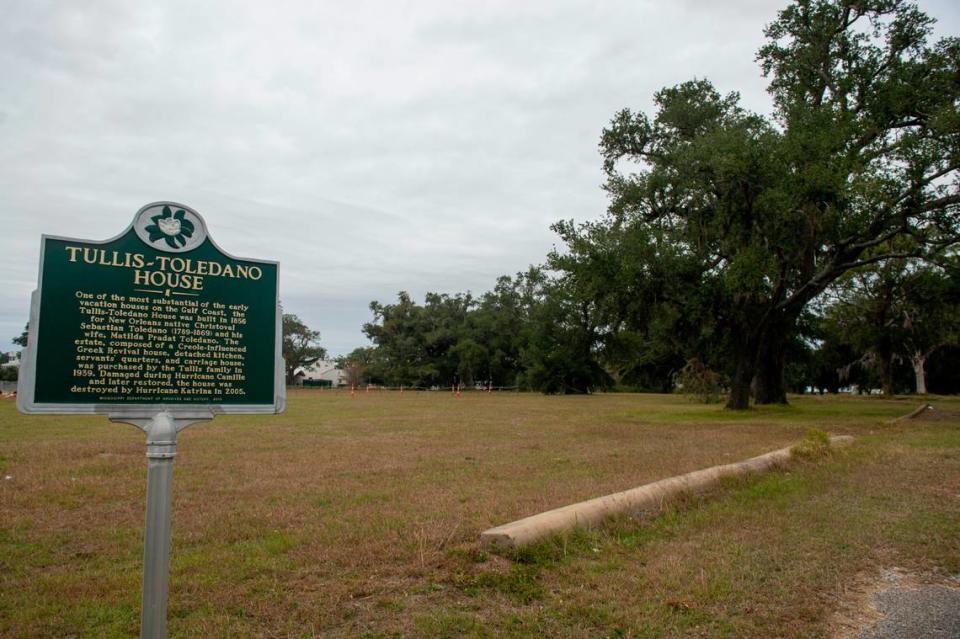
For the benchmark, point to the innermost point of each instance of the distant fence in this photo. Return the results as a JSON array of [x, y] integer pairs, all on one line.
[[8, 387]]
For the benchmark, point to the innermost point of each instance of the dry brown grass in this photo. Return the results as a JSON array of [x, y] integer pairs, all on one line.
[[350, 516]]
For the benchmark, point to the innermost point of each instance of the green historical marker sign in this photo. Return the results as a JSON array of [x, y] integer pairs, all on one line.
[[160, 329], [156, 315]]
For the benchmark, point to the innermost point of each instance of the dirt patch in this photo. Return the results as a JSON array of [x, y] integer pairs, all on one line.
[[934, 414], [856, 609]]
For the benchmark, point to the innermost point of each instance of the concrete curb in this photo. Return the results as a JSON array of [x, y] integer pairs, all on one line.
[[651, 496], [922, 408]]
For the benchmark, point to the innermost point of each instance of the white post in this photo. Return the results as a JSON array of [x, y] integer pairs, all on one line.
[[919, 361]]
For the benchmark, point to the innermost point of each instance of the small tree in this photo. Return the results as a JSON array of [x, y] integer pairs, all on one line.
[[22, 340], [300, 347], [358, 365], [697, 380], [353, 372]]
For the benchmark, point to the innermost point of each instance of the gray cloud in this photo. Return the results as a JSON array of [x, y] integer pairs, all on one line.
[[370, 147]]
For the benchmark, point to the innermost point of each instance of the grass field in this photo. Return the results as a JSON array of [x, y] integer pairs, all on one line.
[[359, 517]]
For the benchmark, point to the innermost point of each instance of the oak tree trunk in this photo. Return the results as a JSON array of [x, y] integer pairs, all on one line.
[[769, 383], [740, 386], [885, 364], [746, 361]]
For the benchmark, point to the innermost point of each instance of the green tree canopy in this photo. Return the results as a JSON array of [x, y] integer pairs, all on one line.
[[300, 345], [415, 343], [528, 331], [561, 350], [762, 214]]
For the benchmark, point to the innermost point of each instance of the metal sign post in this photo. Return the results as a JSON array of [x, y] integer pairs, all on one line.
[[161, 430], [159, 328]]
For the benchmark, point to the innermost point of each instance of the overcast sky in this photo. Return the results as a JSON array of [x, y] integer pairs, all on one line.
[[369, 147]]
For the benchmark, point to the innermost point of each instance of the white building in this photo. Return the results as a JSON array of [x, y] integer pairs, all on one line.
[[323, 372]]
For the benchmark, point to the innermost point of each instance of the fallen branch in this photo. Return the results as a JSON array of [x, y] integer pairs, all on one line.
[[915, 413]]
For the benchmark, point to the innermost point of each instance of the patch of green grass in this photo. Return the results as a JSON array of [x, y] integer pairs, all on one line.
[[390, 605], [105, 620], [278, 542], [944, 440], [778, 487], [451, 624], [520, 582], [801, 410], [815, 444], [368, 498], [555, 548]]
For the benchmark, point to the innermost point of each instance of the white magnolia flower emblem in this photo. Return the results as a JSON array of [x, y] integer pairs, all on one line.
[[170, 226]]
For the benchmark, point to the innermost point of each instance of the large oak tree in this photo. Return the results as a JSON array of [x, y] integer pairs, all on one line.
[[763, 213]]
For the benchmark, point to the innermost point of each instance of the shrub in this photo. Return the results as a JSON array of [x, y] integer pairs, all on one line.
[[697, 380]]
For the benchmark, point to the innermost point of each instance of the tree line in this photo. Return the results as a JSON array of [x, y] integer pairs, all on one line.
[[881, 328], [814, 247], [524, 333]]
